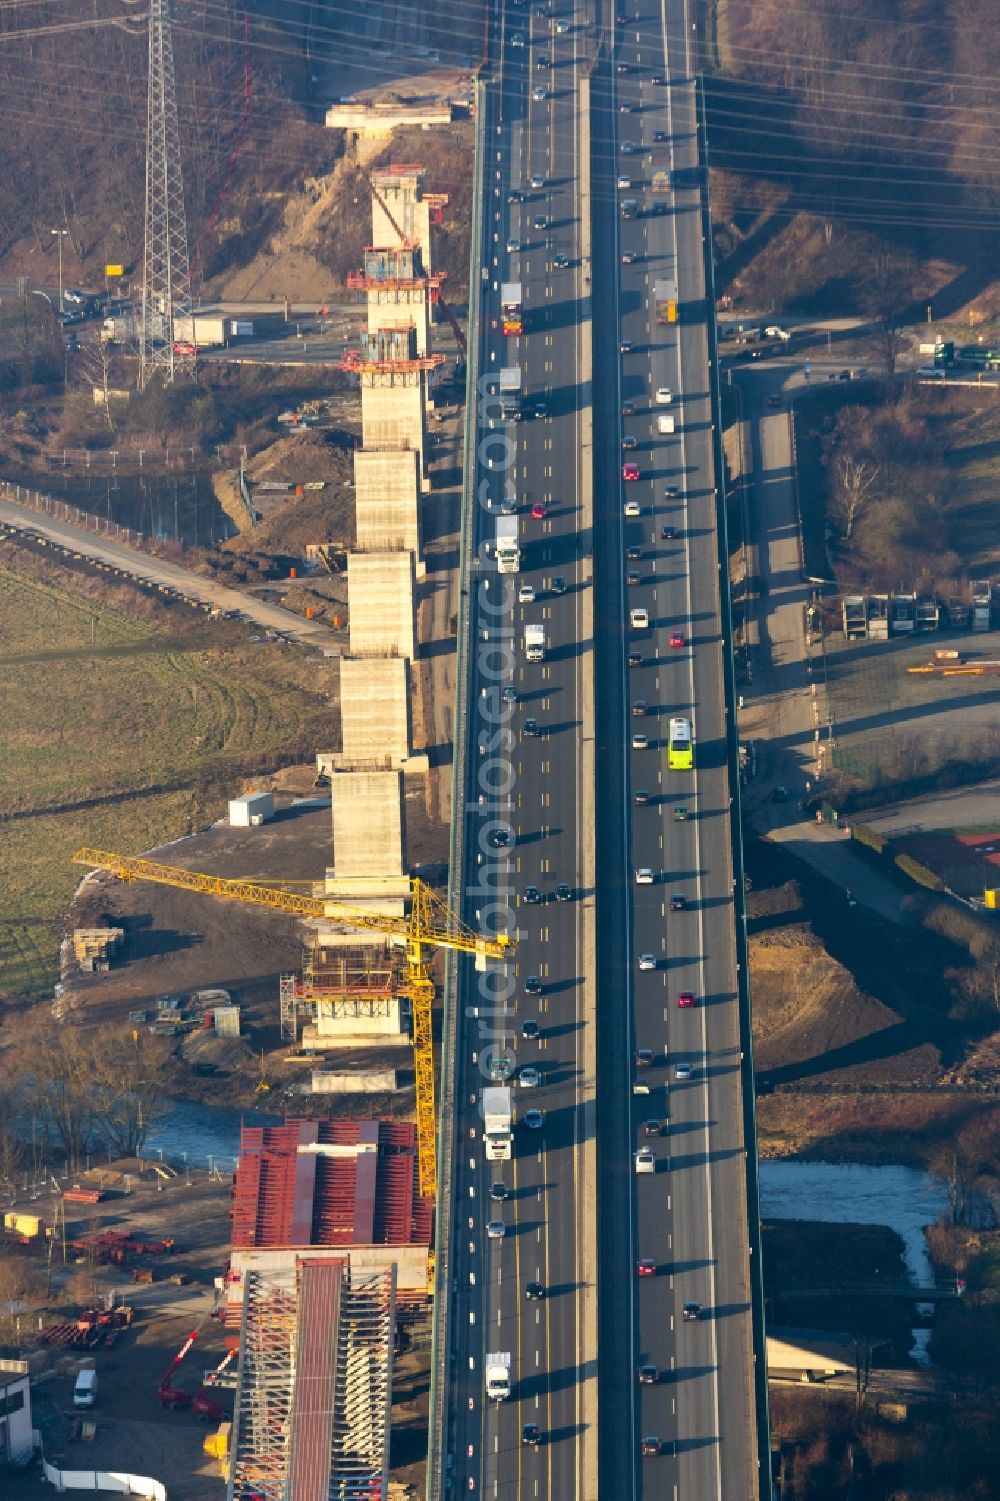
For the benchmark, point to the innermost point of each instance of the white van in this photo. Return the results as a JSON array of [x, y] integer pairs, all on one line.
[[85, 1390], [665, 422]]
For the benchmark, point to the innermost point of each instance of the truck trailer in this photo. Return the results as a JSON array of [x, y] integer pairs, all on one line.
[[507, 546], [665, 300], [510, 393], [534, 643], [510, 308], [497, 1107]]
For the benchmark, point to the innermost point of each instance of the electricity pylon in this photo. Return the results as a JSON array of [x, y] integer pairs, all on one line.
[[166, 272]]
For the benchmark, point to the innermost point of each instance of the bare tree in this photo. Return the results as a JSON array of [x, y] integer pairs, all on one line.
[[855, 481], [129, 1083]]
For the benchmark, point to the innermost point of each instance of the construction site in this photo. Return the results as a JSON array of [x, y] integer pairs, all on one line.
[[248, 1336]]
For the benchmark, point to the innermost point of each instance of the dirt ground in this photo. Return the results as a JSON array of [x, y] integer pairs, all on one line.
[[133, 1432], [813, 1022]]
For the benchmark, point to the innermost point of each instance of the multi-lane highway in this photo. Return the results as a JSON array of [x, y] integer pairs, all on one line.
[[528, 751], [578, 118], [675, 1241]]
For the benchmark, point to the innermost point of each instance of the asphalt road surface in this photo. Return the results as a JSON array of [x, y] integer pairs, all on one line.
[[538, 792], [689, 1215]]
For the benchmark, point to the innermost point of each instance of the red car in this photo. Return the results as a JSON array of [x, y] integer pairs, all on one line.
[[686, 998], [677, 638], [647, 1267], [630, 471], [539, 510]]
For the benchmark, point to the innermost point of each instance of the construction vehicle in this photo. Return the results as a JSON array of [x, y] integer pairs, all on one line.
[[430, 924], [200, 1402], [661, 181]]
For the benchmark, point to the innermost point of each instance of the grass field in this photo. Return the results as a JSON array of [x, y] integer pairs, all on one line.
[[123, 732]]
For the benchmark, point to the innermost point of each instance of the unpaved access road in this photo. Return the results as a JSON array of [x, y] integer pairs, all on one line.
[[161, 574]]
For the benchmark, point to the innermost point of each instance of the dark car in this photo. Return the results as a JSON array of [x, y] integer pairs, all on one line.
[[628, 408], [668, 533], [560, 260], [640, 797], [639, 708], [678, 903], [532, 985], [498, 839], [529, 1030], [633, 578], [499, 1192], [659, 135], [644, 1058], [564, 893], [532, 727], [649, 1375], [633, 554], [650, 1445], [558, 584], [532, 896], [692, 1312], [672, 492], [656, 78], [534, 1291], [652, 1128], [635, 659], [531, 1434]]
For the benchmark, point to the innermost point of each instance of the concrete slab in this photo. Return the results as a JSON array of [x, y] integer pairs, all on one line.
[[387, 487], [369, 831], [375, 712], [394, 415], [403, 308], [382, 592], [403, 194]]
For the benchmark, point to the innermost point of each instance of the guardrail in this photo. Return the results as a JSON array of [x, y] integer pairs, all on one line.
[[61, 510], [736, 835], [441, 1322]]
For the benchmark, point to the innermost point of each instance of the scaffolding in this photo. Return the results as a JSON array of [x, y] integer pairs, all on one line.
[[358, 980], [312, 1408]]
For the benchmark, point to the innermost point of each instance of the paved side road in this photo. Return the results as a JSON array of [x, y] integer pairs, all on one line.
[[158, 572]]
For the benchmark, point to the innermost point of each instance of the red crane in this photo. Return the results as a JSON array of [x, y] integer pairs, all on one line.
[[201, 1402]]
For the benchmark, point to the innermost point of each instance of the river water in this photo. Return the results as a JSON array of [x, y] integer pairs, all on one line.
[[856, 1194], [202, 1136]]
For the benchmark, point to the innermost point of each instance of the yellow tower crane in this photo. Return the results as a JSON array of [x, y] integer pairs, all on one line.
[[429, 925]]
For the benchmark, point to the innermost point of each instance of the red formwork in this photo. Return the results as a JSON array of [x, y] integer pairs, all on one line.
[[288, 1191]]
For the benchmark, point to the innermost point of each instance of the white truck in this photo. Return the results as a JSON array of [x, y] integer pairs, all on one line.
[[507, 546], [510, 393], [665, 422], [498, 1375], [497, 1105], [534, 643]]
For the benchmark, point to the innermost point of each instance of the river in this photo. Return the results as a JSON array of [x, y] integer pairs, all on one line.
[[857, 1194], [203, 1136]]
